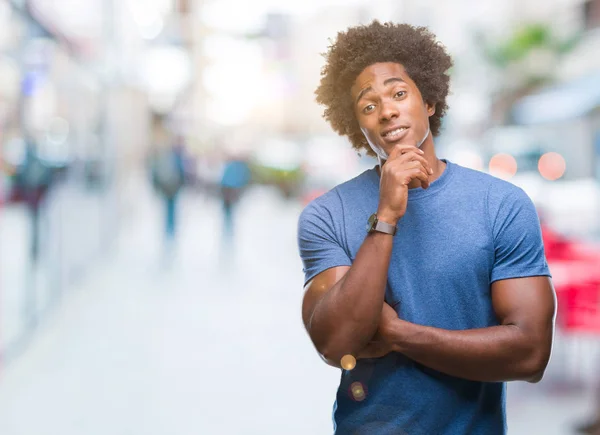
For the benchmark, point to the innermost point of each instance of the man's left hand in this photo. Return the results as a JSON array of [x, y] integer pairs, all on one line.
[[383, 342]]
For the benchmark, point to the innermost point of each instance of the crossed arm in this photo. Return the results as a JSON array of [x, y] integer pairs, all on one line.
[[517, 349]]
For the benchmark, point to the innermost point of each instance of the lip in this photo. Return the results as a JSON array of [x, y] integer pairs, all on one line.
[[397, 138]]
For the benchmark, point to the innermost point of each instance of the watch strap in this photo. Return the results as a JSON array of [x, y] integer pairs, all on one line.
[[384, 227]]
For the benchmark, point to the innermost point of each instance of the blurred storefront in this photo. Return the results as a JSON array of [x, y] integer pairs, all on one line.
[[67, 99], [564, 118]]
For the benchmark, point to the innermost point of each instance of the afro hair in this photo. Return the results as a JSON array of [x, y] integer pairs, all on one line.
[[416, 48]]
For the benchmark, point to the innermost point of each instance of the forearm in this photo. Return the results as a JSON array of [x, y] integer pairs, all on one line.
[[347, 316], [494, 354]]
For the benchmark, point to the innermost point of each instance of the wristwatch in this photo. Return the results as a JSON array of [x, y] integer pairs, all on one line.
[[376, 225]]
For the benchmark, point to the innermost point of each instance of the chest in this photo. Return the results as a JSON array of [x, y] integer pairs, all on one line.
[[442, 259], [435, 236]]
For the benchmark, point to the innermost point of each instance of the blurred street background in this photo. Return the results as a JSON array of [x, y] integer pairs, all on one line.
[[155, 156]]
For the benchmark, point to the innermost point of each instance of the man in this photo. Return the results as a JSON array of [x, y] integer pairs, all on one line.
[[168, 178], [447, 295], [33, 180], [235, 179]]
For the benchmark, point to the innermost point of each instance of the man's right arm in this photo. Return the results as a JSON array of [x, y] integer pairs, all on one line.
[[342, 305]]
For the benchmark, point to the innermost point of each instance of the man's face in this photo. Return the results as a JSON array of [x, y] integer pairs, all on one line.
[[389, 107]]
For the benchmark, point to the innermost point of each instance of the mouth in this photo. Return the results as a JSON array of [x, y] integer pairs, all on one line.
[[395, 134]]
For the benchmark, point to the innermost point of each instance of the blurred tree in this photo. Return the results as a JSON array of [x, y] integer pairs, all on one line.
[[526, 60]]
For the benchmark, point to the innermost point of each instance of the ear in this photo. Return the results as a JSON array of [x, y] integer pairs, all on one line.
[[430, 109]]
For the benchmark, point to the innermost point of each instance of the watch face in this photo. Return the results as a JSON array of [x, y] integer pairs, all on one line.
[[371, 222]]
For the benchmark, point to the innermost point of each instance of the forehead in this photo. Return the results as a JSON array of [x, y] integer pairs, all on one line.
[[377, 73]]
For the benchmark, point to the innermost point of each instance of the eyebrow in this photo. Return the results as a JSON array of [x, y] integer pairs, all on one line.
[[385, 83]]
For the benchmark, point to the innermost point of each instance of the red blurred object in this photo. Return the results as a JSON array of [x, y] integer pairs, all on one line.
[[311, 195], [575, 268]]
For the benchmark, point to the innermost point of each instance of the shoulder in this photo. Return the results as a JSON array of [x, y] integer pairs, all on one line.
[[359, 184], [502, 201], [333, 201], [496, 189]]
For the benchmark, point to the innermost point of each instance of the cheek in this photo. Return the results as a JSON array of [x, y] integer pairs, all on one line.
[[364, 125], [369, 134], [365, 131]]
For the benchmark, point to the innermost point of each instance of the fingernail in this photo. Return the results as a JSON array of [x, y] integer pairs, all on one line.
[[431, 171]]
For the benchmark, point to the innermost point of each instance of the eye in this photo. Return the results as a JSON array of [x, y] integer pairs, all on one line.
[[369, 108], [400, 94]]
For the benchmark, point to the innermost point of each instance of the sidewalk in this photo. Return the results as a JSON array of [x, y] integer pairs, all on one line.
[[212, 344]]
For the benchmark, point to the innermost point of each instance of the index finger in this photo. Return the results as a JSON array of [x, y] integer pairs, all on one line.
[[401, 149]]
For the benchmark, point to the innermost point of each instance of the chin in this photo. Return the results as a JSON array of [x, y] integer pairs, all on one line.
[[404, 141]]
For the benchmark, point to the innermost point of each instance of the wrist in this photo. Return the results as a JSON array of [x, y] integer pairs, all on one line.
[[374, 224], [396, 333], [388, 218]]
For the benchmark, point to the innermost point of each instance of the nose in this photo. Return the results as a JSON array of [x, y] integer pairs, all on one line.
[[389, 111]]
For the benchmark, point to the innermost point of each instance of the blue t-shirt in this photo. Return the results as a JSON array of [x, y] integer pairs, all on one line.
[[466, 231]]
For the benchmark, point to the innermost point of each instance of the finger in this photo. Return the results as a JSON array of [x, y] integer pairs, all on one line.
[[409, 156], [417, 173], [425, 169], [424, 178], [416, 157], [402, 149], [416, 165], [372, 350], [365, 353], [405, 172]]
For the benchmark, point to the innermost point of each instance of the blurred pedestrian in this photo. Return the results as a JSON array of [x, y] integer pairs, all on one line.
[[591, 427], [33, 179], [447, 295], [168, 178], [234, 180]]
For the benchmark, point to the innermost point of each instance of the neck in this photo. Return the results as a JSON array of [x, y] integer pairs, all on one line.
[[436, 164]]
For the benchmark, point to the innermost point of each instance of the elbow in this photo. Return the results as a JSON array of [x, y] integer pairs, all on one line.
[[334, 351], [534, 373], [327, 347], [328, 355], [327, 350], [536, 378], [331, 362], [337, 345], [332, 354], [535, 366]]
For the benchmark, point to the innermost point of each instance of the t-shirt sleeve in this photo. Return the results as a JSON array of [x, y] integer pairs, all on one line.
[[319, 228], [518, 245]]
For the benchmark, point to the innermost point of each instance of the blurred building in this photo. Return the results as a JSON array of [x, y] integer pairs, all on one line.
[[525, 82], [75, 87]]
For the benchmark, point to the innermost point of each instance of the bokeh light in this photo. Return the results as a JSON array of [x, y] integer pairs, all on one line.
[[358, 391], [503, 166], [552, 166], [348, 362]]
